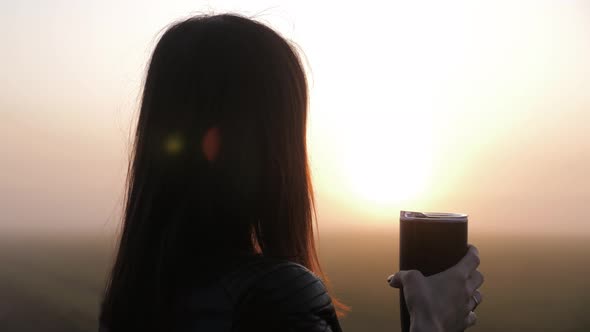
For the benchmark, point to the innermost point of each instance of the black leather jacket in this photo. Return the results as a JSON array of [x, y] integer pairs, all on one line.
[[260, 294]]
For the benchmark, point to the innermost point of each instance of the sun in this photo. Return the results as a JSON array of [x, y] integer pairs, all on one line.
[[388, 162]]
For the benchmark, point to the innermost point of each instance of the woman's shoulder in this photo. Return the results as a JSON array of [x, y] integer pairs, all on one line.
[[268, 274], [281, 293]]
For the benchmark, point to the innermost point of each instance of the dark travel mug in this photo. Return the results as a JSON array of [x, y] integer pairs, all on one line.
[[429, 243]]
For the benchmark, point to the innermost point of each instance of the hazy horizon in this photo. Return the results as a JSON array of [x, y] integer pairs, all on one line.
[[475, 107], [60, 281]]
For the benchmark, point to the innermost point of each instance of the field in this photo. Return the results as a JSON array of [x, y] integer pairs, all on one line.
[[535, 283]]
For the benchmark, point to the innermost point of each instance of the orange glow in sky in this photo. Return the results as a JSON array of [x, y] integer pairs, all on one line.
[[460, 106]]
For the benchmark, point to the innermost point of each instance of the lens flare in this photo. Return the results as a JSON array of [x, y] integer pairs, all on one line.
[[173, 145]]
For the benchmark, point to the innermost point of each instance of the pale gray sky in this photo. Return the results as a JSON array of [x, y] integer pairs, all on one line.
[[468, 106]]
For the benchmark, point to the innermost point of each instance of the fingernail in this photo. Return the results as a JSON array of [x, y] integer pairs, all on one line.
[[389, 278]]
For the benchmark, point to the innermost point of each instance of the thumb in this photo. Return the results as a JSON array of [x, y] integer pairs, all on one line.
[[405, 277], [395, 280]]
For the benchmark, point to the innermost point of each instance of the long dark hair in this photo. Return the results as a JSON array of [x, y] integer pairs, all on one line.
[[184, 212]]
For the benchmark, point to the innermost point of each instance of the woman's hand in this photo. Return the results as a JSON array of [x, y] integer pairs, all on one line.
[[443, 302]]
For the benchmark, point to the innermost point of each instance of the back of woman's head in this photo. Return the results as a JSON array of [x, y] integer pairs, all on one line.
[[185, 209]]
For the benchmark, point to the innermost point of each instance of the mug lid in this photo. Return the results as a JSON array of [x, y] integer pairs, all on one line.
[[433, 216]]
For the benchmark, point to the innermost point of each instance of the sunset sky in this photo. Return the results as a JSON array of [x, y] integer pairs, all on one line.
[[481, 107]]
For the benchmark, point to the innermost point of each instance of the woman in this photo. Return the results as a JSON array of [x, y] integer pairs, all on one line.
[[218, 232]]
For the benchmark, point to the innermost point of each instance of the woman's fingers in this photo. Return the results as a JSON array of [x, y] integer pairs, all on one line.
[[472, 300], [470, 319], [475, 281]]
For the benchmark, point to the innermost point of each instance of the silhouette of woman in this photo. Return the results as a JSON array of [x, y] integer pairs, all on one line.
[[218, 232]]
